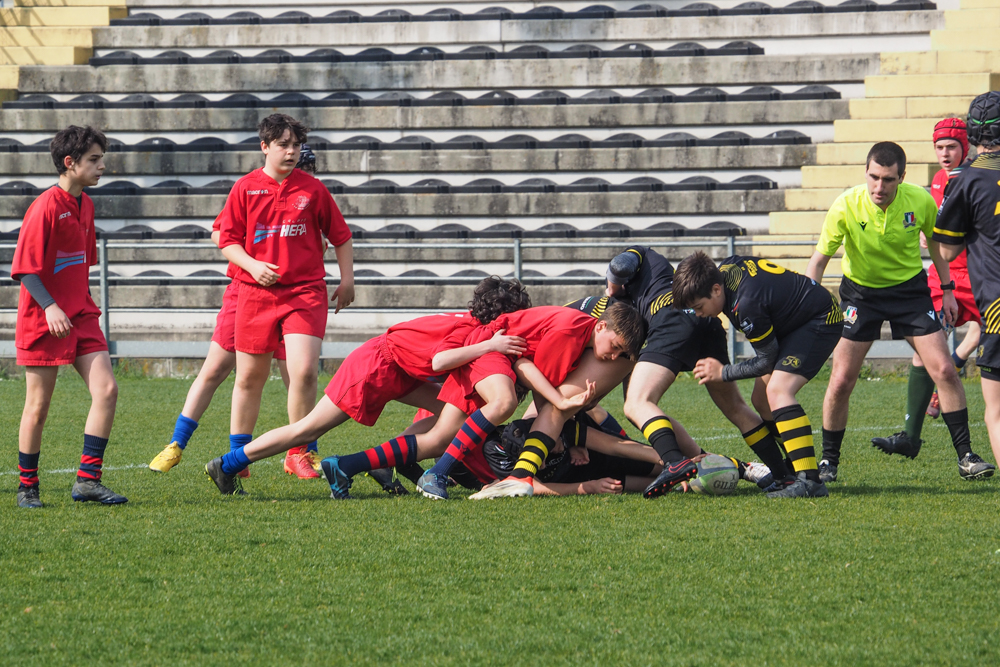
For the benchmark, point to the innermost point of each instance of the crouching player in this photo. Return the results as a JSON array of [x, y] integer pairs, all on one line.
[[57, 320], [793, 324], [396, 366]]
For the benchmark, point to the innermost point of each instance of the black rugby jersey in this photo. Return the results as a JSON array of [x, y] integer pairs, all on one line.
[[592, 305], [970, 214], [649, 287], [767, 301]]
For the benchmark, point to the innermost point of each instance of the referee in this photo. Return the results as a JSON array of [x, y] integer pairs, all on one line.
[[969, 218], [879, 225]]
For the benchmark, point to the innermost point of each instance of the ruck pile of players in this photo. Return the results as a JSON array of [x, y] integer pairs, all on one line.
[[466, 373]]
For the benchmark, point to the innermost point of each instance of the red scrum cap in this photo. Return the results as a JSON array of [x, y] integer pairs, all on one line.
[[953, 128]]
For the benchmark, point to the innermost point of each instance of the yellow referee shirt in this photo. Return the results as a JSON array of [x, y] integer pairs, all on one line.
[[881, 248]]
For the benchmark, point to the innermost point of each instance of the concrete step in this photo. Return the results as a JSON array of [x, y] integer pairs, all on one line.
[[965, 61], [964, 40], [972, 19], [903, 129], [45, 55], [799, 27], [451, 74], [71, 3], [847, 176], [789, 223], [712, 159], [47, 37], [814, 199], [426, 205], [909, 107], [163, 121], [980, 4], [857, 153], [918, 85], [60, 16]]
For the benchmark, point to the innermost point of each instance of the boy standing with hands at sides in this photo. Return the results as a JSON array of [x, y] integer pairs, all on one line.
[[57, 320], [272, 230]]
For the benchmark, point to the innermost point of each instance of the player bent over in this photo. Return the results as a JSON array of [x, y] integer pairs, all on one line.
[[879, 225], [793, 324], [951, 145], [272, 228], [394, 366], [57, 320], [969, 218], [675, 341]]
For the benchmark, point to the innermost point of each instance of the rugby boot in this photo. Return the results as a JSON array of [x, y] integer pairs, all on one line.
[[340, 483], [672, 475], [27, 497], [167, 459], [228, 485], [827, 471], [971, 466], [85, 490], [898, 443], [512, 487]]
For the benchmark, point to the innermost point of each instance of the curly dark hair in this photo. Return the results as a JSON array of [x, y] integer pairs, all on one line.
[[75, 141], [271, 128], [495, 296]]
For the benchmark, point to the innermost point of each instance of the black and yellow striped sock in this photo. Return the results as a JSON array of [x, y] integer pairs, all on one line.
[[773, 428], [797, 436], [536, 447], [764, 445], [660, 434]]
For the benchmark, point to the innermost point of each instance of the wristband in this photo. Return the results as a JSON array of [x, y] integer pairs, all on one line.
[[948, 286]]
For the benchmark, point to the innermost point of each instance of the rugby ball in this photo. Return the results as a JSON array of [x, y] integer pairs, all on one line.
[[717, 476]]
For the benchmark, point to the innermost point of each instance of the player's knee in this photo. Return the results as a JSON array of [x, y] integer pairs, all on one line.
[[35, 412], [633, 408], [105, 391]]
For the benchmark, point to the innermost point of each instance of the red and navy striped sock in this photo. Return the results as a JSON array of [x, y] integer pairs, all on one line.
[[398, 451], [27, 466], [472, 435], [93, 457]]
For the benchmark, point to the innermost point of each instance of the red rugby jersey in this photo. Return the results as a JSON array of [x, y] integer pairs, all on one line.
[[960, 263], [556, 337], [57, 243], [282, 224], [217, 227], [413, 344]]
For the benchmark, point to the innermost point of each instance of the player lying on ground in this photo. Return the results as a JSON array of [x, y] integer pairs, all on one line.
[[395, 366], [675, 341], [273, 228], [968, 219], [557, 338], [879, 225], [220, 362], [57, 320], [793, 324], [951, 145]]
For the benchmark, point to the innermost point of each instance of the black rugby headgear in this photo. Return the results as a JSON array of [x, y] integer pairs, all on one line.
[[984, 120]]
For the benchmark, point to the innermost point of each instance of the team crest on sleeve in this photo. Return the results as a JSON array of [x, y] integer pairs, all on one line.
[[302, 203], [851, 315], [746, 326], [909, 219]]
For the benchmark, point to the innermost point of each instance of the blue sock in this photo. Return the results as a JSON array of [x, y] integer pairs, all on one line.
[[183, 430], [959, 361], [313, 446], [239, 440], [611, 425], [234, 461], [473, 434]]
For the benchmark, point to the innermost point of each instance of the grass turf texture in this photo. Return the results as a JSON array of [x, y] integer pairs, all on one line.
[[899, 566]]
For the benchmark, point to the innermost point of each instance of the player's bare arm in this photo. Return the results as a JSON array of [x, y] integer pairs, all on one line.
[[531, 377], [344, 294], [949, 306], [817, 266], [265, 273], [446, 360]]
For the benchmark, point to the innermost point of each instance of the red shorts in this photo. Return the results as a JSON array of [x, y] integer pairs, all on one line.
[[225, 324], [967, 310], [367, 380], [85, 337], [265, 314], [460, 387]]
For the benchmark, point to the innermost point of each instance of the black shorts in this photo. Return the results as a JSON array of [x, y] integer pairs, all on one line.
[[988, 356], [805, 350], [907, 306], [602, 465], [677, 339]]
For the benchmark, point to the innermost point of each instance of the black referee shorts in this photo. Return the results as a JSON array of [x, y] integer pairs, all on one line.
[[907, 306], [677, 339]]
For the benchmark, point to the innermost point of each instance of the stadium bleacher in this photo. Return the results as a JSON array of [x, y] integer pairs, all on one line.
[[430, 122]]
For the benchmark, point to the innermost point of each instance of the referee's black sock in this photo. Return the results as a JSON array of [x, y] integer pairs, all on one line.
[[763, 444], [958, 426], [832, 441], [659, 431]]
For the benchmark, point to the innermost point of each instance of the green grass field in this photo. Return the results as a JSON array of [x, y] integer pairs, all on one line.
[[900, 566]]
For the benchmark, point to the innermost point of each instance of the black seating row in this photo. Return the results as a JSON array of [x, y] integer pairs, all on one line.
[[538, 13], [443, 98], [463, 142], [450, 231], [423, 53], [425, 186]]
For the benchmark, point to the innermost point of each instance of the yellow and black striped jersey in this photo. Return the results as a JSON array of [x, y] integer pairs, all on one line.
[[970, 214], [767, 301], [649, 287]]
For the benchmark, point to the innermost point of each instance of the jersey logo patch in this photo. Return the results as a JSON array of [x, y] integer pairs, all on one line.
[[909, 219], [931, 314], [791, 362], [851, 314], [863, 225], [746, 326], [64, 260], [302, 203], [64, 215], [262, 232]]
